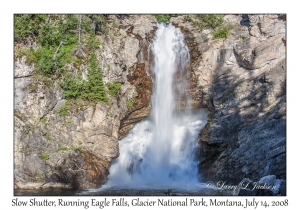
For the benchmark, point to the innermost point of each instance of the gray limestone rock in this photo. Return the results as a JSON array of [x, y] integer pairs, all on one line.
[[246, 188], [246, 125], [22, 69], [75, 150], [246, 130]]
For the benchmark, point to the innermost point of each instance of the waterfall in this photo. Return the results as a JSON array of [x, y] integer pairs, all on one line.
[[160, 150]]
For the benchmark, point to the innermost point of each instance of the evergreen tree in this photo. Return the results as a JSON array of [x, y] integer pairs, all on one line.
[[94, 89]]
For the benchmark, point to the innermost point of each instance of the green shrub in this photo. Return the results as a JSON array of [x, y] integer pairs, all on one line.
[[45, 156], [105, 30], [214, 22], [163, 18], [57, 37], [115, 23], [90, 90], [43, 58], [208, 21], [129, 103], [29, 54], [54, 33], [93, 43], [72, 86], [47, 136], [44, 120], [25, 25], [51, 34], [222, 32], [211, 20], [187, 18], [63, 149], [63, 110], [46, 63], [65, 55], [113, 88]]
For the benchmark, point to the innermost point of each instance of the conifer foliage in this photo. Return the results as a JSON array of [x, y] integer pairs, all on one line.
[[64, 43], [94, 88]]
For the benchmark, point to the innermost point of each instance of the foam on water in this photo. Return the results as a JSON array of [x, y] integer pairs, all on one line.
[[159, 151]]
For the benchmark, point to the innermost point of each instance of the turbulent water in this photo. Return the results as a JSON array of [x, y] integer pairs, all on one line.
[[160, 151]]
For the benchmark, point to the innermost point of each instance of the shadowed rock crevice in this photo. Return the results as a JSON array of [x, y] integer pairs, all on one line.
[[240, 79], [242, 82], [247, 123], [73, 150], [141, 78]]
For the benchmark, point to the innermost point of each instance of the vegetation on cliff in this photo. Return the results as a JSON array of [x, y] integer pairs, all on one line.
[[215, 22], [94, 88], [64, 50], [63, 43], [163, 18]]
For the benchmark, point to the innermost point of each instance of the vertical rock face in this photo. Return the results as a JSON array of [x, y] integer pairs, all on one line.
[[253, 55], [75, 151], [242, 81], [140, 77], [140, 107], [72, 151]]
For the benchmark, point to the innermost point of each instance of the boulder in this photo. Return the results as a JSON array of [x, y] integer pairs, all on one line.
[[246, 188]]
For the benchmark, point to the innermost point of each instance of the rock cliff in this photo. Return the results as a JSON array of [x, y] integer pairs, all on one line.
[[240, 79], [75, 150], [242, 82]]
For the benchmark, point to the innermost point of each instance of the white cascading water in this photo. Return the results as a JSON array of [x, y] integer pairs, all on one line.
[[160, 150]]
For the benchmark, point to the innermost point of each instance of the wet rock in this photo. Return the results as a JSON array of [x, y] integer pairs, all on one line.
[[139, 106], [246, 188], [271, 186], [75, 151], [192, 38], [282, 188], [247, 109]]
